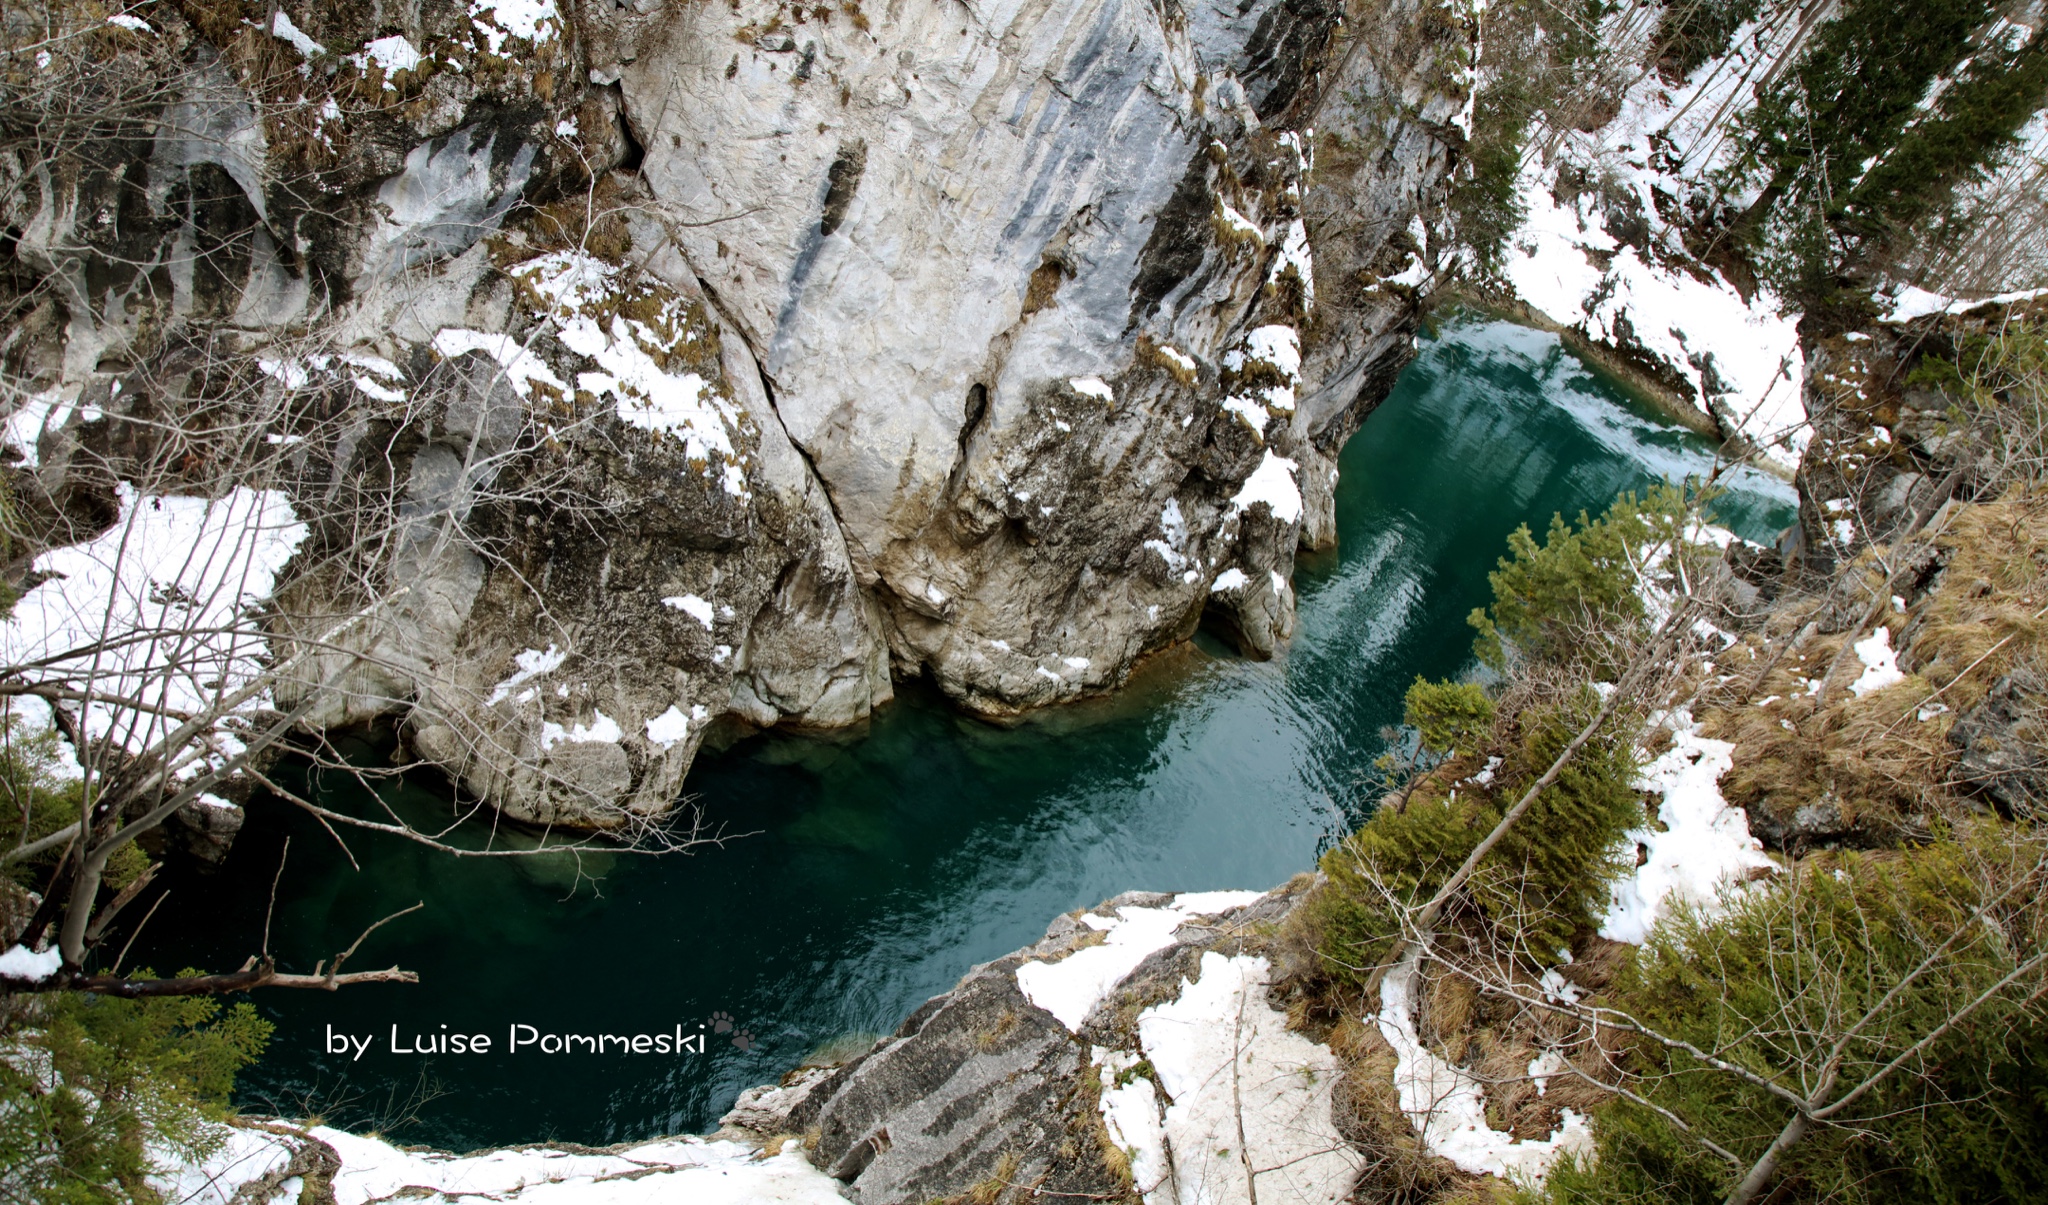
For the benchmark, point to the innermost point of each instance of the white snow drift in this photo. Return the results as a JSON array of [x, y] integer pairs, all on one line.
[[155, 618], [695, 1170]]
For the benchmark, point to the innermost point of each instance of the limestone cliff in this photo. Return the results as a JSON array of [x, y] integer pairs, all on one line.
[[639, 366]]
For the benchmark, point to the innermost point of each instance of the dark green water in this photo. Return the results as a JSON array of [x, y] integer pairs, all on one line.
[[885, 865]]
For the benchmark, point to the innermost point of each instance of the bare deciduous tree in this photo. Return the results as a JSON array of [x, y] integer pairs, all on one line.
[[160, 518]]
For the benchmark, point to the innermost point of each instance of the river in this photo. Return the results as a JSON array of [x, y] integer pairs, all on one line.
[[879, 865]]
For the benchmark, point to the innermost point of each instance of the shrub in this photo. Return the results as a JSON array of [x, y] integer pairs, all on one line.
[[1543, 883], [1553, 603], [1486, 203], [1777, 979], [1849, 150], [1548, 878], [1538, 58], [35, 800], [1570, 602], [91, 1088], [1448, 715], [1396, 859]]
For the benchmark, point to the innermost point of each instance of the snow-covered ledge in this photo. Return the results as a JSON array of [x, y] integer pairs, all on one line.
[[259, 1164]]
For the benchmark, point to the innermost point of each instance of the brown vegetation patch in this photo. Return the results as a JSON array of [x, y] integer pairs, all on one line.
[[1879, 767]]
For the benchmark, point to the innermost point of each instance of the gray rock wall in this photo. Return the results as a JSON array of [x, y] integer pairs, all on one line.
[[996, 343]]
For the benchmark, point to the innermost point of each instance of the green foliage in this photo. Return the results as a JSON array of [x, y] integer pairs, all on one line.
[[1553, 602], [1537, 52], [1485, 203], [1845, 154], [92, 1084], [1996, 379], [1544, 881], [1396, 859], [35, 800], [1769, 986], [1448, 715], [1548, 877], [1973, 118]]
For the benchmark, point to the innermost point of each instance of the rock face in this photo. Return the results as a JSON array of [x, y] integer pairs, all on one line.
[[2000, 745], [998, 267], [1134, 1050], [642, 368]]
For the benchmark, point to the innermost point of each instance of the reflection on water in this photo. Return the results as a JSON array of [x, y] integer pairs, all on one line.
[[883, 864]]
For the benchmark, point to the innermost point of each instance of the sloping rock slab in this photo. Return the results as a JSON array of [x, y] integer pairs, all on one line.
[[984, 1090]]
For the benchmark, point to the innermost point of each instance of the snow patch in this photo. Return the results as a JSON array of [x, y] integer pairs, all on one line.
[[1719, 345], [1094, 387], [1071, 988], [1663, 144], [283, 30], [697, 1170], [531, 663], [296, 373], [1705, 848], [1237, 224], [692, 606], [1131, 1110], [22, 963], [46, 411], [1276, 346], [669, 727], [1910, 303], [161, 607], [389, 55], [1246, 1092], [1273, 484], [579, 293], [522, 368], [535, 21], [1295, 260], [1880, 663], [1448, 1107], [602, 729]]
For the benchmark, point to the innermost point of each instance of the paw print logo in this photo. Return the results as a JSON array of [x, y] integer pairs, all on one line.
[[744, 1040], [721, 1022]]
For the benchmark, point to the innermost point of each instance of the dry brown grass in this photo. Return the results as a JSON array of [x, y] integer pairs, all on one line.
[[1085, 1110], [1396, 1170], [991, 1190], [1989, 613], [1115, 1159], [1491, 1035], [1448, 1013], [1872, 760]]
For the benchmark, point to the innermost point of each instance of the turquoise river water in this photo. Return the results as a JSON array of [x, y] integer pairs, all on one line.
[[882, 865]]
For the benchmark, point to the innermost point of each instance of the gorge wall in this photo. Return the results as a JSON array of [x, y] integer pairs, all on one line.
[[639, 366]]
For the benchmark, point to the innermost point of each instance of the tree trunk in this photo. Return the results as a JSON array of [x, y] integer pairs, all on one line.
[[1763, 1169]]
